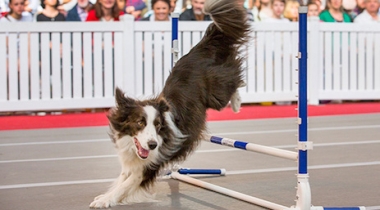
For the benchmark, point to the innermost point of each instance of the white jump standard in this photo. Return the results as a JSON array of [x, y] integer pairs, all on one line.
[[303, 194]]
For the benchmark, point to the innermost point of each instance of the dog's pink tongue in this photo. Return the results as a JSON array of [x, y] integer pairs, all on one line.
[[143, 152]]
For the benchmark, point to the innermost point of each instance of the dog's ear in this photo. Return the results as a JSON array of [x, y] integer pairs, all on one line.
[[122, 100], [163, 106]]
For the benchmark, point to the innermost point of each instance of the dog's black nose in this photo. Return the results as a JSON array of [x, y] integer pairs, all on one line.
[[152, 144]]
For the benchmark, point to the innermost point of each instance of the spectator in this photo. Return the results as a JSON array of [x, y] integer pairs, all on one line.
[[104, 10], [321, 7], [161, 11], [135, 8], [50, 11], [17, 13], [278, 7], [173, 4], [291, 10], [195, 12], [312, 9], [358, 9], [370, 13], [80, 11], [334, 12], [263, 11], [249, 12]]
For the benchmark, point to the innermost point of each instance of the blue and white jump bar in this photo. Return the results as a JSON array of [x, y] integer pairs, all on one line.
[[253, 147], [221, 172]]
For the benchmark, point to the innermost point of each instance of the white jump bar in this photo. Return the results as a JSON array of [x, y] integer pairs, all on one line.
[[225, 191], [253, 147]]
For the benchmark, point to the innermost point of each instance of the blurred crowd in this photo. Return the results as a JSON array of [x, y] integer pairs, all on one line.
[[360, 11]]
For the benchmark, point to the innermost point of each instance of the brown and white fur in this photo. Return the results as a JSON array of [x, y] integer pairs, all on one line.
[[153, 133]]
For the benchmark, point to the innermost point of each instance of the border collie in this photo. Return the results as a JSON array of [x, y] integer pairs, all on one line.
[[151, 134]]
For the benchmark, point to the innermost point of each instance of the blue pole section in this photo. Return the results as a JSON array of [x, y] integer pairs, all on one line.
[[175, 50], [175, 26], [302, 90], [202, 171], [233, 143]]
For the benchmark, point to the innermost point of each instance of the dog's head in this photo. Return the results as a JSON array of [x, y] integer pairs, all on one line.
[[137, 124]]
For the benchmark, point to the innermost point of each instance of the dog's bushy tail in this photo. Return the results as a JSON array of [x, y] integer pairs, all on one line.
[[230, 18]]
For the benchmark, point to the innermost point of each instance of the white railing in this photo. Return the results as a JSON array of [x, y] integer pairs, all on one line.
[[71, 65], [50, 66], [344, 61]]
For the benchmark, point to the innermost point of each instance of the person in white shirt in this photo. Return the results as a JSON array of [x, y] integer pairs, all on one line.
[[278, 7], [370, 14], [17, 13]]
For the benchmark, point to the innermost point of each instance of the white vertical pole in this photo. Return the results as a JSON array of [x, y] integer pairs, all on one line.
[[314, 65]]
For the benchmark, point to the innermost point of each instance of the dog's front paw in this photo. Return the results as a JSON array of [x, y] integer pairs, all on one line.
[[236, 102], [101, 202], [99, 196]]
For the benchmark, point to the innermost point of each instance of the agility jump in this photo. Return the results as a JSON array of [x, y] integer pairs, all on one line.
[[303, 193]]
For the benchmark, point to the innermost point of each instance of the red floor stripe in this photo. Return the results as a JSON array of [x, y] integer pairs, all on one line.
[[247, 112]]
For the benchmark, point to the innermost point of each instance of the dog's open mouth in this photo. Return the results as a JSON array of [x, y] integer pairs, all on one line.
[[143, 153]]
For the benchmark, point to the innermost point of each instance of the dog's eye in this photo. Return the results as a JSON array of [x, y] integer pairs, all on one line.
[[140, 123]]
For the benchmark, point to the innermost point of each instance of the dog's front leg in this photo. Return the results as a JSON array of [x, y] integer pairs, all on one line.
[[122, 177], [124, 186], [236, 99]]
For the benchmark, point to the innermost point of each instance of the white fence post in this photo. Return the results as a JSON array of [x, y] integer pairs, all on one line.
[[128, 68], [314, 66]]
